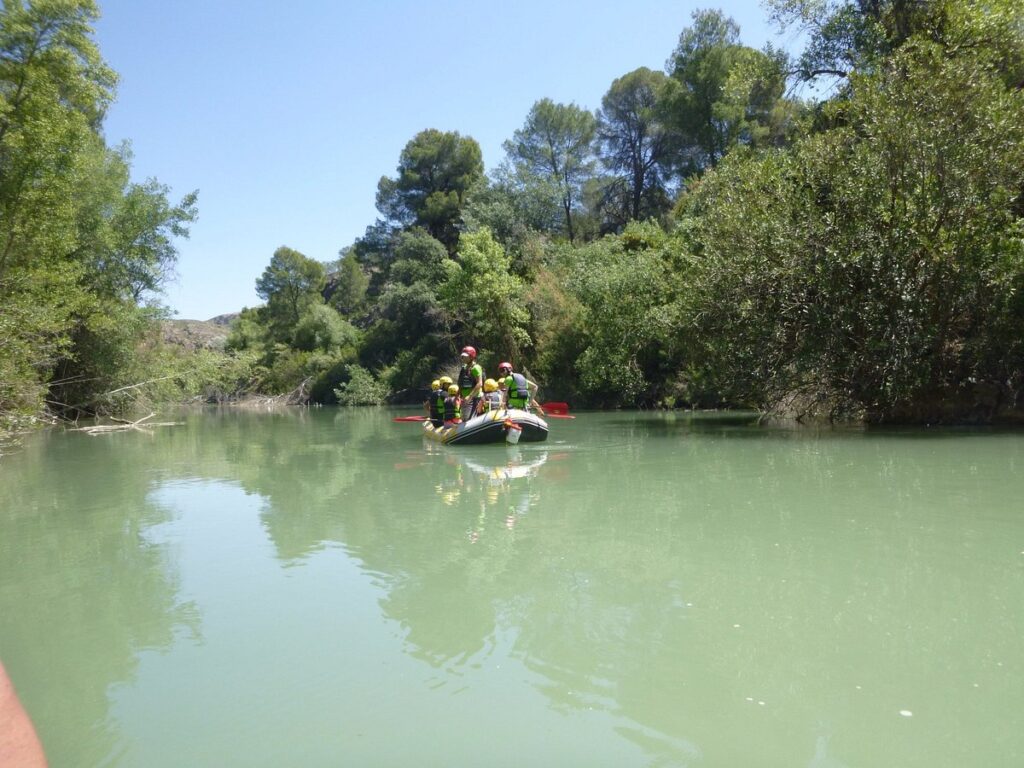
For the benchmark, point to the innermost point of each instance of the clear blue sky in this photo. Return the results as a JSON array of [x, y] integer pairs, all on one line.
[[285, 116]]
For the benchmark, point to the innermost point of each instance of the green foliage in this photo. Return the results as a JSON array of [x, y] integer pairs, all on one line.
[[322, 329], [436, 171], [409, 375], [361, 388], [554, 152], [80, 246], [875, 270], [723, 93], [247, 334], [870, 264], [290, 284], [624, 285], [560, 331], [348, 285], [419, 258], [485, 297], [637, 146]]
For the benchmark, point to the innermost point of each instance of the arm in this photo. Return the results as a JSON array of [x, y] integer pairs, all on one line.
[[19, 744], [533, 396]]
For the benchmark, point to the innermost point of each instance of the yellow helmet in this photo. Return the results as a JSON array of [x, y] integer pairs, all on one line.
[[435, 385], [446, 381], [490, 385], [453, 389]]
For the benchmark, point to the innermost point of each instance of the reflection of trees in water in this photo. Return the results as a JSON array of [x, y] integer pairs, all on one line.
[[619, 587], [81, 592], [82, 589], [444, 558], [747, 535], [676, 583]]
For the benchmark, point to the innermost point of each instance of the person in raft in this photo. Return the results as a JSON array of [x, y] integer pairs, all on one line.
[[434, 404], [491, 401], [471, 382], [521, 392], [452, 403]]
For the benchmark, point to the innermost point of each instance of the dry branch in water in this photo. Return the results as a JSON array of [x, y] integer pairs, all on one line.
[[124, 426]]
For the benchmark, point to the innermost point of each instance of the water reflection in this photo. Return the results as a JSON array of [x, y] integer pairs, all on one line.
[[680, 590], [499, 483], [81, 591]]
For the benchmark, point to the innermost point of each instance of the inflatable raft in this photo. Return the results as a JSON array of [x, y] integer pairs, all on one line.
[[504, 426]]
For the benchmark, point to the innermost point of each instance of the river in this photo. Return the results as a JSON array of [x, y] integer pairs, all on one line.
[[321, 588]]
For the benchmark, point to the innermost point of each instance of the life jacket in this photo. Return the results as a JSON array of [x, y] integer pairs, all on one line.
[[493, 400], [468, 378], [518, 391], [436, 404], [451, 408]]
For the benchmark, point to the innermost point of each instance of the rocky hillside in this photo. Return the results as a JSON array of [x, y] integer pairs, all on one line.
[[198, 334]]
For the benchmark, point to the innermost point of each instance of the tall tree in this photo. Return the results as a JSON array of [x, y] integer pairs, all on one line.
[[346, 288], [556, 145], [290, 283], [636, 142], [844, 36], [486, 297], [724, 92], [436, 171], [79, 244]]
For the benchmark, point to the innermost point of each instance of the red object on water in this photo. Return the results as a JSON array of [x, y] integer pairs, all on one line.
[[410, 418]]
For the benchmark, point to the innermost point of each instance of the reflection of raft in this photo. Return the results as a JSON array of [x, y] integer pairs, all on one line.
[[491, 427], [503, 466]]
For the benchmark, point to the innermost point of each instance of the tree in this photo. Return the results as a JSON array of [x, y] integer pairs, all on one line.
[[555, 146], [846, 36], [485, 297], [347, 287], [409, 317], [126, 231], [877, 268], [436, 171], [322, 329], [419, 257], [80, 246], [290, 283], [636, 142], [724, 93], [623, 285]]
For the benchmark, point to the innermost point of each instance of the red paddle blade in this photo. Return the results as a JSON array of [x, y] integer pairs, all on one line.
[[410, 418], [556, 409]]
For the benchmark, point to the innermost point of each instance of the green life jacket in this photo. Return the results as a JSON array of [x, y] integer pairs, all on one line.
[[436, 404], [468, 378], [518, 391]]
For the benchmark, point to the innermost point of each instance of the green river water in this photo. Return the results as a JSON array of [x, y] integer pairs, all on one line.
[[321, 588]]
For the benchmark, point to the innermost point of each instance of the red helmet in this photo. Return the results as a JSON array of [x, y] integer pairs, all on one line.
[[504, 367], [471, 351]]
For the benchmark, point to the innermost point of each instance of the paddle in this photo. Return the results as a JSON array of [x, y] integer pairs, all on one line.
[[556, 410], [410, 418]]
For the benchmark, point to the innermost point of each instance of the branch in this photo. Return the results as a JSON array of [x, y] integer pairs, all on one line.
[[135, 386]]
